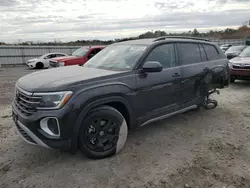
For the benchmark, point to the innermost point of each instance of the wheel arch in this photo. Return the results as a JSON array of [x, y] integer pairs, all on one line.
[[39, 62], [118, 102]]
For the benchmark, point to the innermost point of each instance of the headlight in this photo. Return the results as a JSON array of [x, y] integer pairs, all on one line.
[[61, 64], [31, 62], [53, 100]]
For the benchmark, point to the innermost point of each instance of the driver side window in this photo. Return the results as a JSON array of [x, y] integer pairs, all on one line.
[[164, 54], [50, 56], [93, 53]]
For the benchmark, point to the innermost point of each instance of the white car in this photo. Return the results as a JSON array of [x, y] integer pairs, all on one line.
[[43, 61]]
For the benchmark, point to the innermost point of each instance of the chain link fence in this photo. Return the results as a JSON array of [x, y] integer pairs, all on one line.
[[21, 54], [13, 55]]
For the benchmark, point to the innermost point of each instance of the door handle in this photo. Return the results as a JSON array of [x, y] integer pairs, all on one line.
[[177, 74]]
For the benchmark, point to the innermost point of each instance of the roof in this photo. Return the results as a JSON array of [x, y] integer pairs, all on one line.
[[172, 39]]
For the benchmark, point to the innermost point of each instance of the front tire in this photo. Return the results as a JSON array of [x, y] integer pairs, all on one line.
[[39, 65], [103, 133]]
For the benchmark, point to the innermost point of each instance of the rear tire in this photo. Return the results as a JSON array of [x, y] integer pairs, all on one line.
[[39, 65], [103, 133]]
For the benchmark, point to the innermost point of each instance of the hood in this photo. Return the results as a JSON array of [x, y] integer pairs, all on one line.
[[232, 53], [49, 80], [238, 59], [65, 58], [35, 59]]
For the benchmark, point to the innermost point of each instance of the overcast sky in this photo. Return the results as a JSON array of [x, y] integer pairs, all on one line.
[[66, 20]]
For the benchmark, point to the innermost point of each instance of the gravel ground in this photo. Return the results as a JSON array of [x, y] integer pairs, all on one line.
[[209, 148]]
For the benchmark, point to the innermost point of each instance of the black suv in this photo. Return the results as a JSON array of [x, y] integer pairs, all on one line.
[[125, 86]]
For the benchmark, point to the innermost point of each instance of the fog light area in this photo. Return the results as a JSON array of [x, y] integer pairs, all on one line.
[[50, 125]]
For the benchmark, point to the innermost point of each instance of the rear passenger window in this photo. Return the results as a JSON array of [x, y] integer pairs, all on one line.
[[203, 54], [211, 52], [60, 55], [189, 53], [164, 54]]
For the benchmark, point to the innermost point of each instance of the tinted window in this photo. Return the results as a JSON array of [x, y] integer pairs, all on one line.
[[203, 54], [211, 52], [189, 53], [93, 52], [60, 55], [164, 54], [50, 56]]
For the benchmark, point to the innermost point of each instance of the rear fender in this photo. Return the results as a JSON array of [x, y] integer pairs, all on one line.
[[219, 77]]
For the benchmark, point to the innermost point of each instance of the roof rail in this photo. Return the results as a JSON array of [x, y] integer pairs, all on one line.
[[180, 37]]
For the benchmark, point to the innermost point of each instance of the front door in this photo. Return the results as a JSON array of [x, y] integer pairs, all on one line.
[[192, 63], [159, 93]]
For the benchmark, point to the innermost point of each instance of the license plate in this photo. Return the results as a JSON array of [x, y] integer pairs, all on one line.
[[15, 117]]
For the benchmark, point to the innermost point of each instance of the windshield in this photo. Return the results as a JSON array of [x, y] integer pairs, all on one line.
[[80, 52], [245, 52], [235, 48], [116, 57]]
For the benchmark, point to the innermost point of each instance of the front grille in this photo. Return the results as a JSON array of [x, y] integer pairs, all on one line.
[[241, 67], [53, 64], [25, 135], [25, 103]]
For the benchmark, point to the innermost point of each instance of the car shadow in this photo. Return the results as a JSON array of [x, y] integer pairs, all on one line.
[[240, 84]]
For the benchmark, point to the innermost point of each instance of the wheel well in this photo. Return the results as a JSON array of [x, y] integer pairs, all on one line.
[[39, 64], [122, 109]]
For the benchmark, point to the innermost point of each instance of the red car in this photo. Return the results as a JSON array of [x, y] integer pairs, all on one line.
[[240, 66], [79, 57]]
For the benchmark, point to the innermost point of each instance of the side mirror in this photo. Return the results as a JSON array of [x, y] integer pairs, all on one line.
[[152, 66]]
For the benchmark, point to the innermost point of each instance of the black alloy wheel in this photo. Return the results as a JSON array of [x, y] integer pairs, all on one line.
[[103, 132]]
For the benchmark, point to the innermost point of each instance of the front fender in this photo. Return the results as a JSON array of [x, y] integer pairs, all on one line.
[[89, 98]]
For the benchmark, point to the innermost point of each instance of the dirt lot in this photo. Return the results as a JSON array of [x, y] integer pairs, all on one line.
[[209, 148]]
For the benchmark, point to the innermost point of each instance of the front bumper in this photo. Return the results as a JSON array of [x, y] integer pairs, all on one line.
[[31, 65], [239, 72], [30, 130]]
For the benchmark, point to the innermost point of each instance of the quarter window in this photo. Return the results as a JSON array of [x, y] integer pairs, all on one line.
[[211, 52], [203, 53], [164, 54], [189, 53]]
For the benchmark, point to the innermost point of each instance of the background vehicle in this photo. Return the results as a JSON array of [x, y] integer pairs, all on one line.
[[91, 107], [240, 66], [224, 47], [79, 57], [233, 51], [43, 61]]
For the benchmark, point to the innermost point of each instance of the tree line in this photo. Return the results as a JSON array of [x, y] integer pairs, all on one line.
[[229, 33]]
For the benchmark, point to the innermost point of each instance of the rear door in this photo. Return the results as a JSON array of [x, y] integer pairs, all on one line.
[[192, 63], [159, 92]]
